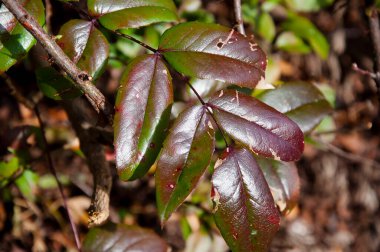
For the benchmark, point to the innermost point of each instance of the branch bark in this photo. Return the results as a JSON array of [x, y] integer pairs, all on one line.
[[81, 79], [238, 16], [375, 34], [80, 119]]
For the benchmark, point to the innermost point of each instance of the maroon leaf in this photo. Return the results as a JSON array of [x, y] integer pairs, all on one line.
[[283, 181], [85, 45], [211, 51], [142, 115], [112, 237], [259, 127], [185, 156], [300, 101], [245, 212]]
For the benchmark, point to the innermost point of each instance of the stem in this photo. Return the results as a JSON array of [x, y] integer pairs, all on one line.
[[134, 40], [238, 16], [209, 111], [54, 172], [81, 79], [375, 34]]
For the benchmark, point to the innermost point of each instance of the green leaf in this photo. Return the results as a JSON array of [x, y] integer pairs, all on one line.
[[184, 158], [85, 45], [305, 29], [308, 5], [283, 181], [143, 107], [289, 42], [211, 51], [7, 170], [55, 86], [112, 237], [245, 212], [27, 184], [15, 41], [259, 127], [117, 14], [300, 101], [266, 26]]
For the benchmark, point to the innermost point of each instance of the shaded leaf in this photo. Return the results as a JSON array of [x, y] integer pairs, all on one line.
[[55, 86], [85, 45], [184, 158], [142, 115], [15, 41], [300, 101], [245, 212], [283, 181], [112, 237], [211, 51], [117, 14], [259, 127]]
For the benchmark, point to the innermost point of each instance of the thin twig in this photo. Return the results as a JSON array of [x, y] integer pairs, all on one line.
[[54, 172], [363, 71], [81, 79], [238, 16], [134, 40]]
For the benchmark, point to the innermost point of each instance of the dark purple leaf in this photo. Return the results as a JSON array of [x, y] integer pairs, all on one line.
[[117, 14], [112, 237], [283, 181], [259, 127], [300, 101], [85, 45], [142, 115], [185, 156], [211, 51], [245, 212]]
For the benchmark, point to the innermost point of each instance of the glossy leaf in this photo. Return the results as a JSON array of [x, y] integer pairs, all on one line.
[[259, 127], [15, 41], [112, 237], [117, 14], [142, 115], [283, 181], [55, 86], [300, 101], [85, 45], [211, 51], [185, 156], [245, 212]]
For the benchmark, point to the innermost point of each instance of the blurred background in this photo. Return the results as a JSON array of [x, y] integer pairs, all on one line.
[[316, 41]]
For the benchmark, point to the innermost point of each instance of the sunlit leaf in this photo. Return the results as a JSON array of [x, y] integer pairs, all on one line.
[[266, 26], [245, 212], [283, 181], [85, 45], [112, 237], [15, 40], [142, 115], [185, 156], [117, 14], [211, 51], [27, 183], [289, 42], [308, 5], [259, 127], [300, 101], [304, 28]]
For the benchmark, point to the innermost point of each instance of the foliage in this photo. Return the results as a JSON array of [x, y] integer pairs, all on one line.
[[250, 179]]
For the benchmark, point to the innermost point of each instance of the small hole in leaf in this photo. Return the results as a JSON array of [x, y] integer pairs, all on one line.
[[219, 45]]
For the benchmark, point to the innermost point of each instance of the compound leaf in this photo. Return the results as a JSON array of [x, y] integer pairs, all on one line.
[[300, 101], [283, 181], [142, 115], [117, 14], [211, 51], [185, 156], [112, 237], [259, 127], [15, 40], [85, 45], [245, 212]]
